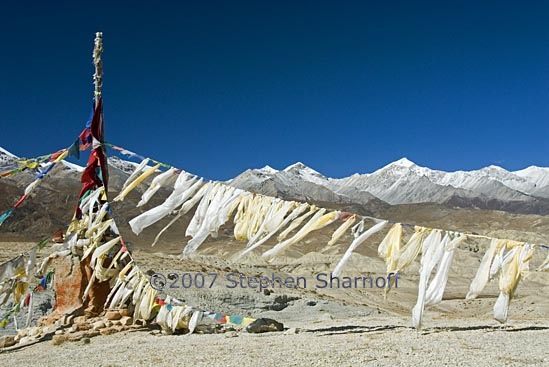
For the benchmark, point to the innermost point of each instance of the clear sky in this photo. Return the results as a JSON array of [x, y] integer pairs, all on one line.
[[216, 87]]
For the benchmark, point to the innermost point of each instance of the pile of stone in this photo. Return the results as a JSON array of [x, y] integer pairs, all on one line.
[[68, 328], [73, 328]]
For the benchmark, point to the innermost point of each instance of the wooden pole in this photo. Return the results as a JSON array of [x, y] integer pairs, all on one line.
[[98, 83], [99, 291], [98, 75]]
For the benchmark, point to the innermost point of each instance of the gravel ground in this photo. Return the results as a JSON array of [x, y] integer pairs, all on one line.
[[372, 341], [338, 327]]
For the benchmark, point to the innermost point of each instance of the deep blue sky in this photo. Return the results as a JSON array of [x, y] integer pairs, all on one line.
[[219, 87]]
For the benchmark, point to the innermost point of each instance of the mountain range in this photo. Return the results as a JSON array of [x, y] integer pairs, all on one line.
[[404, 182], [401, 190], [400, 182]]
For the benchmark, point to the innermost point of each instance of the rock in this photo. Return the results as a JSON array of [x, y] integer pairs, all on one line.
[[7, 341], [59, 332], [86, 340], [113, 315], [79, 320], [116, 322], [26, 339], [59, 339], [125, 312], [92, 333], [108, 323], [47, 320], [69, 283], [98, 325], [49, 329], [311, 303], [126, 321], [61, 321], [70, 319], [74, 337], [35, 331], [267, 292], [292, 331], [108, 331], [22, 333], [82, 326], [264, 325], [205, 329], [58, 236], [231, 334]]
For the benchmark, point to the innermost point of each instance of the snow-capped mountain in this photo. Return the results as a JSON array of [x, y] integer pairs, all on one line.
[[400, 182], [7, 158], [123, 165], [296, 182], [539, 176], [72, 167], [404, 182]]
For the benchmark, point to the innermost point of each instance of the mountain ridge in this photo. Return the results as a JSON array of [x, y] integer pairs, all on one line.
[[405, 182], [398, 183], [52, 204]]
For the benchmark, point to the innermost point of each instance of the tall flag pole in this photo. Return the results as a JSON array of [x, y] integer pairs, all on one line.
[[96, 173], [98, 82], [95, 176], [98, 75]]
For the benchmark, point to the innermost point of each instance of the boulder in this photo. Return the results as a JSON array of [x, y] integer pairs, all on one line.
[[26, 339], [7, 341], [69, 284], [22, 333], [34, 331], [98, 325], [59, 339], [92, 333], [74, 337], [108, 331], [264, 325], [79, 320], [49, 329], [126, 320], [113, 315]]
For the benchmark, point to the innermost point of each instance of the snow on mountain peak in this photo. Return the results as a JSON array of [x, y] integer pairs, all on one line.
[[5, 152], [296, 166], [268, 170], [123, 165], [7, 158], [73, 167], [493, 167], [537, 175], [403, 165], [301, 168], [306, 173], [403, 162]]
